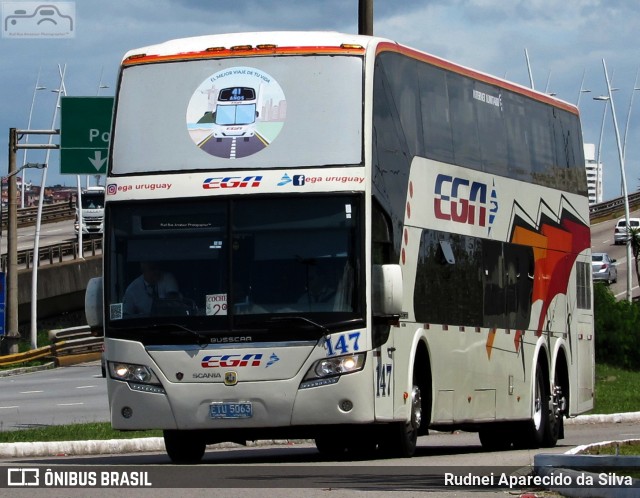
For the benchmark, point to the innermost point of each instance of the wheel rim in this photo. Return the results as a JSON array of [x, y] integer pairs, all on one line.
[[537, 404], [416, 408]]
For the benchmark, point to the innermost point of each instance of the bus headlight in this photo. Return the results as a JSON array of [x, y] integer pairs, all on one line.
[[328, 370], [132, 373]]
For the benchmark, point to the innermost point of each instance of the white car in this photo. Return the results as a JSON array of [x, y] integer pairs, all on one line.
[[621, 233]]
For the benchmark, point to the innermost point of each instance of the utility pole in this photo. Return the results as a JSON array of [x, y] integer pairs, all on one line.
[[12, 332], [365, 17]]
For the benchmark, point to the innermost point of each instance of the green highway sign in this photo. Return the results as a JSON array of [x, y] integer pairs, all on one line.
[[85, 127]]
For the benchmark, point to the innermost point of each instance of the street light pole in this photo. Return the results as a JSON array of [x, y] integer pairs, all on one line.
[[24, 158], [365, 17], [624, 181]]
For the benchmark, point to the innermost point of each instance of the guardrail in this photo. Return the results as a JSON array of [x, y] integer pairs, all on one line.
[[50, 212], [612, 207], [68, 346], [57, 253]]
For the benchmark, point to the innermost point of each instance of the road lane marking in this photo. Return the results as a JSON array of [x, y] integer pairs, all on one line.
[[84, 387], [31, 392], [8, 407], [69, 404]]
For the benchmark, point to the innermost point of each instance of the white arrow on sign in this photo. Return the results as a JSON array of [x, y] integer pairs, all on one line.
[[97, 160]]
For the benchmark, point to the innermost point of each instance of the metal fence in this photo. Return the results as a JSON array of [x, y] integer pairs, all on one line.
[[57, 253], [50, 213]]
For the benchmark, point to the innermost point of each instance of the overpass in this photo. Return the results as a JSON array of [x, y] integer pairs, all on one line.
[[65, 270]]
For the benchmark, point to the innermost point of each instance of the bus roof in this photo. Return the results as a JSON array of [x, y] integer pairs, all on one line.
[[306, 42], [214, 43]]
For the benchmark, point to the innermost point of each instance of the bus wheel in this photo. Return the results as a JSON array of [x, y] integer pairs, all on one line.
[[402, 438], [539, 428], [495, 439], [330, 446], [184, 446]]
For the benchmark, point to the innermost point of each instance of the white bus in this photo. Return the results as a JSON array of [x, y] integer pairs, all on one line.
[[235, 114], [411, 251]]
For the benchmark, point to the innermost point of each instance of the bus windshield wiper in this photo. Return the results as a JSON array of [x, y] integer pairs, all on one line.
[[201, 339], [275, 319]]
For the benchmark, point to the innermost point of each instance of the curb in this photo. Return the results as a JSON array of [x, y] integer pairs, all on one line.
[[116, 446]]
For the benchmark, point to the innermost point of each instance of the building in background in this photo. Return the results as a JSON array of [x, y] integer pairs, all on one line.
[[594, 174]]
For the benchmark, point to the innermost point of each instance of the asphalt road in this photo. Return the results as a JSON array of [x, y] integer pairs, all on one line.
[[75, 394], [602, 241], [50, 234]]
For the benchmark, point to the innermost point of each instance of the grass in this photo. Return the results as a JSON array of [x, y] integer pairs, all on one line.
[[616, 390], [75, 432]]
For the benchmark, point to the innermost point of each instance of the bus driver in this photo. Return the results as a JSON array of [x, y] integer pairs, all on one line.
[[154, 283]]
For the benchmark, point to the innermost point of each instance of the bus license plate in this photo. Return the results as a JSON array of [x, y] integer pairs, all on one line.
[[242, 409]]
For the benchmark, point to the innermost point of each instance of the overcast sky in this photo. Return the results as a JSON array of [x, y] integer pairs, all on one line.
[[564, 40]]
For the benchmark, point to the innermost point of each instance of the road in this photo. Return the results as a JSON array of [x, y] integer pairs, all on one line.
[[76, 394], [284, 469], [50, 234], [602, 241]]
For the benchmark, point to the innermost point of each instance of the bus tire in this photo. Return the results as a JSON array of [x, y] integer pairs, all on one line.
[[184, 446], [329, 446], [402, 438], [495, 440], [538, 430]]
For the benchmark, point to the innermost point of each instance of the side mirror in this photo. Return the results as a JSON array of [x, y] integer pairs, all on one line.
[[387, 290], [93, 304]]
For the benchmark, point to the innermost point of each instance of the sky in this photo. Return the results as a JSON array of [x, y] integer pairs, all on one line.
[[565, 44]]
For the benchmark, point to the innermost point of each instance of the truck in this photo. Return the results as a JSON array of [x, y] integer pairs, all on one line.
[[91, 209]]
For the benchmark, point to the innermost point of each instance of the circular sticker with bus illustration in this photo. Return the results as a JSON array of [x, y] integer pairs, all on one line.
[[236, 112]]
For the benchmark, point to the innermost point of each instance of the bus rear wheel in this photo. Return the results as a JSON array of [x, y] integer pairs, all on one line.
[[184, 446]]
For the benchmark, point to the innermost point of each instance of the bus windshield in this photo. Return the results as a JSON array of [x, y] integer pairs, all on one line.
[[92, 200], [228, 114], [235, 114], [235, 263]]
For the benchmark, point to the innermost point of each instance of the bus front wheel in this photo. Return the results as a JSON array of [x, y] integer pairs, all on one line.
[[543, 429], [402, 438], [184, 446]]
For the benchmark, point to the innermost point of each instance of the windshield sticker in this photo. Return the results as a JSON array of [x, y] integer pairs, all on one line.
[[236, 112], [115, 311], [216, 305]]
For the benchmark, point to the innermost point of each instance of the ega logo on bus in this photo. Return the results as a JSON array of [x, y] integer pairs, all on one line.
[[462, 201]]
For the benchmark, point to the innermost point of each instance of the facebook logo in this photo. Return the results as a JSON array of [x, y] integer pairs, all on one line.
[[23, 477], [298, 180]]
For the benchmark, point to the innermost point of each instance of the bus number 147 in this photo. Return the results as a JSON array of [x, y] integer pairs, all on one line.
[[343, 344]]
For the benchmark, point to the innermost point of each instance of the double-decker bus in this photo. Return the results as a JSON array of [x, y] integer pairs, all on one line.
[[411, 250]]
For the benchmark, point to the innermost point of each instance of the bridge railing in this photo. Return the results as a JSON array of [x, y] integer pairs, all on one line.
[[56, 253], [50, 213], [612, 208]]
